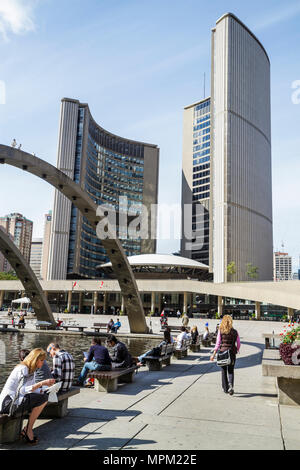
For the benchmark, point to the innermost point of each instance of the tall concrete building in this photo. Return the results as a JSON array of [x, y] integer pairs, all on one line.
[[46, 245], [283, 270], [36, 256], [240, 180], [20, 230], [107, 167]]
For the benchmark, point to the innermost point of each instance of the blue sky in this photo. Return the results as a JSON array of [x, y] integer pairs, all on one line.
[[137, 63]]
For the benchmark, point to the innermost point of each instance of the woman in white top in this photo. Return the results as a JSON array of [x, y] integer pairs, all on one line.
[[28, 396]]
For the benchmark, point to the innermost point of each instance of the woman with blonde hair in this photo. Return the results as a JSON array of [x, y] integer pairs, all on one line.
[[227, 340], [21, 393]]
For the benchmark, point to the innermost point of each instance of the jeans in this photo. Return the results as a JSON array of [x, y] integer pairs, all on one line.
[[228, 376], [89, 367]]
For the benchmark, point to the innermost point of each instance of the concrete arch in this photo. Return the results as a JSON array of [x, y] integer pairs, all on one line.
[[29, 280], [88, 207]]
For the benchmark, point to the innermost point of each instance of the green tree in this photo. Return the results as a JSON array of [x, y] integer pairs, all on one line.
[[231, 269], [8, 276], [252, 271]]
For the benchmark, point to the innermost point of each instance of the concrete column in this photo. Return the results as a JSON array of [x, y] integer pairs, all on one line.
[[1, 298], [152, 302], [46, 294], [290, 313], [257, 310], [95, 301], [122, 306], [105, 302], [220, 306], [69, 301], [185, 302], [80, 302]]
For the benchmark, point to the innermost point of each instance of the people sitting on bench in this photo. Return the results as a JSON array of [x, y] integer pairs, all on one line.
[[21, 393], [194, 334], [156, 350], [119, 353], [63, 366], [206, 332], [97, 359], [181, 337], [116, 326], [110, 325]]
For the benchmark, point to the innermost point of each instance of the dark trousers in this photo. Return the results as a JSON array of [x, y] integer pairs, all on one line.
[[228, 376]]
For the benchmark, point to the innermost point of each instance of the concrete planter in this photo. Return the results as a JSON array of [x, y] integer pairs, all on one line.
[[287, 351]]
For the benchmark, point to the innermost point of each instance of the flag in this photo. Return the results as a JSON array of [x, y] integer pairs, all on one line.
[[75, 283], [101, 285]]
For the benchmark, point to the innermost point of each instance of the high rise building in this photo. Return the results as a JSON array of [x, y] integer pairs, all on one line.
[[282, 266], [36, 256], [196, 177], [46, 245], [107, 167], [237, 191], [20, 229]]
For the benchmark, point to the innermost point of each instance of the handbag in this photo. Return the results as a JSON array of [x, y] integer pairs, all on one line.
[[224, 358]]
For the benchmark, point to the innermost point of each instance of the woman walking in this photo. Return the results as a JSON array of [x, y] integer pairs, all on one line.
[[21, 393], [227, 340]]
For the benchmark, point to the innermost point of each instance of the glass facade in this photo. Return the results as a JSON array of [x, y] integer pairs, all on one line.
[[108, 167], [201, 177]]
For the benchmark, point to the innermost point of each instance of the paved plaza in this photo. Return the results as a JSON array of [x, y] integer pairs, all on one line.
[[182, 407]]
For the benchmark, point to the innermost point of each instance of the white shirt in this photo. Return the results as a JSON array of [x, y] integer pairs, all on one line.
[[12, 383], [183, 335]]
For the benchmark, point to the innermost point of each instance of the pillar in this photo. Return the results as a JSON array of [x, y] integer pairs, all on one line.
[[290, 313], [257, 310], [185, 302], [1, 298], [105, 302], [122, 306], [220, 306], [69, 301], [80, 302], [152, 302], [46, 294], [95, 302]]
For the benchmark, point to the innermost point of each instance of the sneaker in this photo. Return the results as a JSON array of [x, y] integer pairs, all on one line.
[[230, 390]]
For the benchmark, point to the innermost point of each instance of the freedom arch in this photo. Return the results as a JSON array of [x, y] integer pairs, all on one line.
[[88, 208]]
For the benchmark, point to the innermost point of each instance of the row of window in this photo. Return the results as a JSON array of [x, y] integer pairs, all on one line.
[[200, 182], [201, 126], [200, 196], [201, 189]]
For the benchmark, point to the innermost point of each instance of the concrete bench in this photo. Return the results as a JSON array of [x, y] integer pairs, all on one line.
[[173, 328], [43, 326], [288, 377], [156, 362], [183, 351], [99, 326], [4, 326], [196, 347], [107, 381], [10, 427], [268, 337], [72, 327]]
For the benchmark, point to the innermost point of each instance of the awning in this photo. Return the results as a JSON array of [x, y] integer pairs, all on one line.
[[23, 300]]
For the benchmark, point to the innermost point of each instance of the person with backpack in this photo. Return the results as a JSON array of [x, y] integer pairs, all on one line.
[[228, 342]]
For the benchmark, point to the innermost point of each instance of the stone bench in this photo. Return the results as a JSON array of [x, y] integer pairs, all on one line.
[[4, 326], [155, 363], [288, 377], [107, 381], [74, 327], [10, 427], [173, 328], [99, 326], [183, 351]]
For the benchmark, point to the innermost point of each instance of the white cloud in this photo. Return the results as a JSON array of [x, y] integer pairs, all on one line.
[[16, 17]]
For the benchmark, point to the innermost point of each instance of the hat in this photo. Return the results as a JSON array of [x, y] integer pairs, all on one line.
[[206, 324]]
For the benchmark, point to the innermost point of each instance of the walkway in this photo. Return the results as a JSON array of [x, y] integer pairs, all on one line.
[[182, 408]]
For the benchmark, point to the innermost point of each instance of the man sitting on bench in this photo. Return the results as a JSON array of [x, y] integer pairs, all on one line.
[[116, 326], [97, 359], [120, 356], [181, 337], [155, 351], [63, 366]]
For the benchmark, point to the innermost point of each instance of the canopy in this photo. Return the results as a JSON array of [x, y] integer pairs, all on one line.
[[23, 300]]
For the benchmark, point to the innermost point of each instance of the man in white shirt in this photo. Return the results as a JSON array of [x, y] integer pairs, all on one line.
[[181, 337]]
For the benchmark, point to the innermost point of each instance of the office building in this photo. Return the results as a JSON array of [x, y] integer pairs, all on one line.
[[107, 167], [36, 256], [282, 266], [20, 230], [237, 192]]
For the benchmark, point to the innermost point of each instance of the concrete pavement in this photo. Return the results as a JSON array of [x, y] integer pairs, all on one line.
[[182, 407]]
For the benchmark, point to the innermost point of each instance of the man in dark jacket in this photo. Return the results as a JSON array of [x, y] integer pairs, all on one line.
[[119, 354], [96, 359]]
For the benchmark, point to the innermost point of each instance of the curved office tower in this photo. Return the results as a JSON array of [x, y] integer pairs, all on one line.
[[107, 167], [241, 152]]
